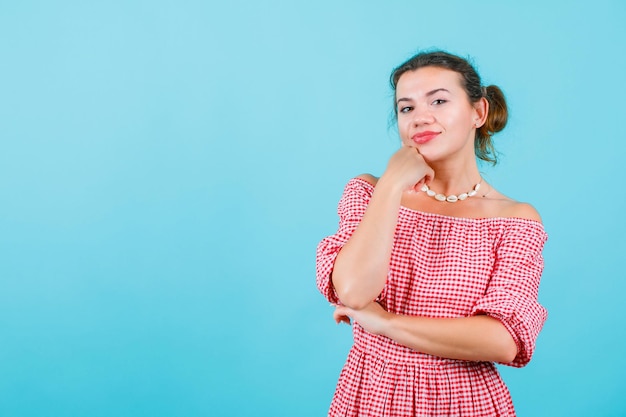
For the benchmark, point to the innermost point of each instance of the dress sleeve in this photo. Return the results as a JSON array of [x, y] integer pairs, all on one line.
[[356, 196], [511, 296]]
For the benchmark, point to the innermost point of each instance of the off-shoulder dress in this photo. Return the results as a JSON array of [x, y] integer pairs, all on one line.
[[440, 266]]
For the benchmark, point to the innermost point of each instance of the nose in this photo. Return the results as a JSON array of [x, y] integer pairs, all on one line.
[[422, 116]]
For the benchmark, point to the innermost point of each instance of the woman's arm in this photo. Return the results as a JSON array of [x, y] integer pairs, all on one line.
[[360, 270], [476, 338]]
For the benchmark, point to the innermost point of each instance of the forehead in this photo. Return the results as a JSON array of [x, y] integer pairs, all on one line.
[[426, 79]]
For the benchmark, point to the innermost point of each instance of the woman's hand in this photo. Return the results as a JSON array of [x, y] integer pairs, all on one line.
[[373, 318], [408, 169]]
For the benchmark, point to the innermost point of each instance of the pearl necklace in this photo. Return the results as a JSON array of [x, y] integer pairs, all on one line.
[[451, 198]]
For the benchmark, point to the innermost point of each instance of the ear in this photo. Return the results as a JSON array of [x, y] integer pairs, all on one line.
[[481, 107]]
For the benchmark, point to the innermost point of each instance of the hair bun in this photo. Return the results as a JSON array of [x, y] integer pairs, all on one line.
[[498, 112]]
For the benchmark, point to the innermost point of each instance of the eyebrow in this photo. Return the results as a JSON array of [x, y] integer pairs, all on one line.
[[436, 90], [430, 93]]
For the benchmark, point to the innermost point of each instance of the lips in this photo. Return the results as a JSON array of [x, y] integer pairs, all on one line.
[[423, 137]]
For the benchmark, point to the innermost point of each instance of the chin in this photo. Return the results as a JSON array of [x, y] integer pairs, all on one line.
[[430, 156]]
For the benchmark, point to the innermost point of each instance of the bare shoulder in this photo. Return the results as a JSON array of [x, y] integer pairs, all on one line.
[[369, 178], [504, 206], [520, 210]]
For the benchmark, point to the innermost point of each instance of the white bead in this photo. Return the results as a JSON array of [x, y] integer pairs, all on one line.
[[450, 198]]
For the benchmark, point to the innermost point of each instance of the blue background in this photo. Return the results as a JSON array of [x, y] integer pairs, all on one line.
[[167, 169]]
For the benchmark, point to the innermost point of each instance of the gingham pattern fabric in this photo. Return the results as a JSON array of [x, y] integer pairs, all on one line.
[[440, 267]]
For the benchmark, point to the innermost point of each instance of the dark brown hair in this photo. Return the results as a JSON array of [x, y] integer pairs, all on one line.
[[498, 113]]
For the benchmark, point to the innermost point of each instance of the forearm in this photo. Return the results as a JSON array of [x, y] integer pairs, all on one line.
[[360, 270], [477, 338]]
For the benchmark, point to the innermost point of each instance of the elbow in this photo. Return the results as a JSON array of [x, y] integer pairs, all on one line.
[[507, 350], [507, 356], [353, 300], [354, 304], [356, 286], [352, 297], [501, 344]]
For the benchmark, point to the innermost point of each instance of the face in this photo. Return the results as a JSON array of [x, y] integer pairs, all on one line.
[[435, 114]]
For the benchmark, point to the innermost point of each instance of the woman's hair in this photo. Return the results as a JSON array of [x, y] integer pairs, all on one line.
[[497, 115]]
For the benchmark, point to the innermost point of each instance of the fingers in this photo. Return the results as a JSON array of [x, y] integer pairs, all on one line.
[[342, 319], [429, 173], [341, 315], [429, 176]]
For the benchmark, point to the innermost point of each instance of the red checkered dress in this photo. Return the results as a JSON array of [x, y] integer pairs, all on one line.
[[440, 267]]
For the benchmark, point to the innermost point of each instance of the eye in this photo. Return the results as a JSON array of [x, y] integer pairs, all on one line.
[[439, 101], [405, 109]]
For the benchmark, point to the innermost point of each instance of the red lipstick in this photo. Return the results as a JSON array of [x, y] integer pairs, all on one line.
[[423, 137]]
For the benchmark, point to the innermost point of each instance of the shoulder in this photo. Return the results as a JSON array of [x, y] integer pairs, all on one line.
[[520, 210], [369, 178], [358, 191], [356, 197], [504, 206]]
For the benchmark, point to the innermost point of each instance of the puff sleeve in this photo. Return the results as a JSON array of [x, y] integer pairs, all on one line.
[[351, 208], [511, 296]]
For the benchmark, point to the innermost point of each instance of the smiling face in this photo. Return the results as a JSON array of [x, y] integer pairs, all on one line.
[[435, 114]]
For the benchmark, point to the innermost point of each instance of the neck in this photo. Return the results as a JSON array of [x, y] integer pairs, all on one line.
[[454, 178]]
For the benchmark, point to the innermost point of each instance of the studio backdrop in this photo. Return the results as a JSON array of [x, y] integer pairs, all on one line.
[[167, 169]]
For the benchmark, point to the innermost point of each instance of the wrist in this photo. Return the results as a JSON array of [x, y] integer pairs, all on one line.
[[388, 321], [390, 186]]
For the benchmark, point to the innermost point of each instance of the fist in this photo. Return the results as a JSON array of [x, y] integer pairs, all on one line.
[[408, 169]]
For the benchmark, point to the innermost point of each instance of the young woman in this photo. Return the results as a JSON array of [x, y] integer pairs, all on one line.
[[437, 269]]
